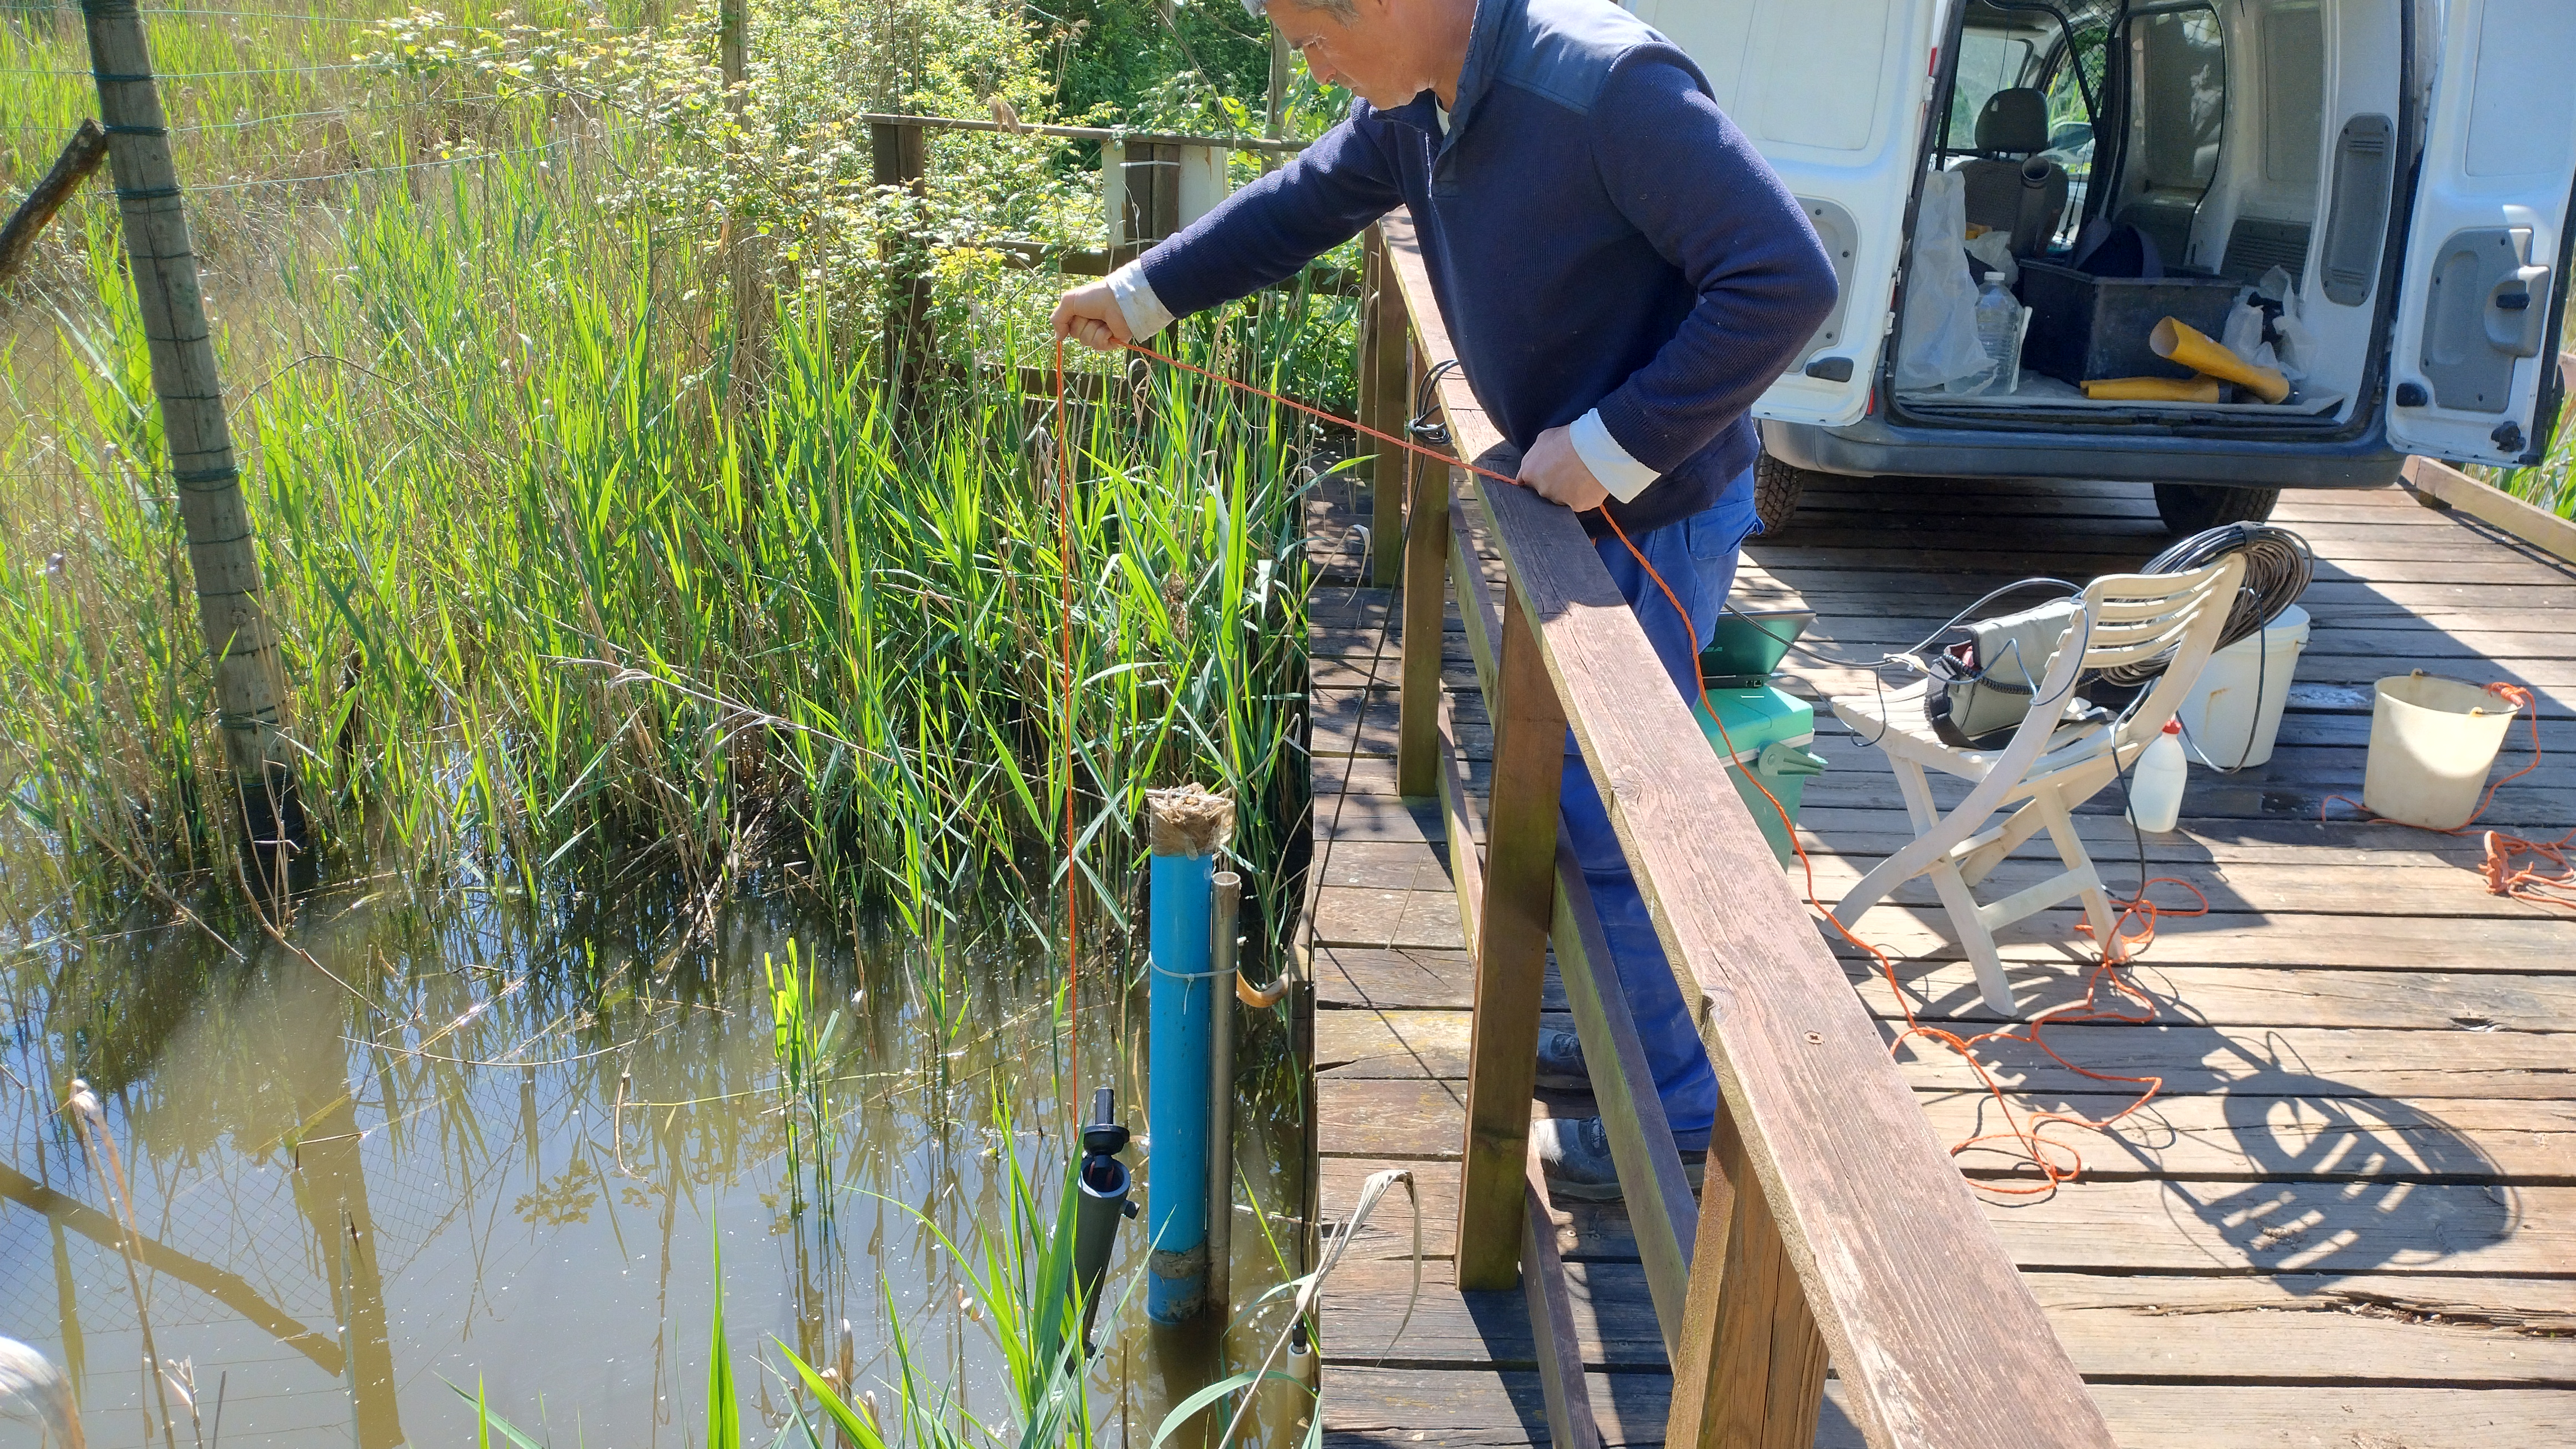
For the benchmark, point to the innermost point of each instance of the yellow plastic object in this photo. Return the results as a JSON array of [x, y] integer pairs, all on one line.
[[2152, 389], [1259, 996], [2179, 342]]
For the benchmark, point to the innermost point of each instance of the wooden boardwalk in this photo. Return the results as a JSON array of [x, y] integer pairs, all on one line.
[[2348, 1219]]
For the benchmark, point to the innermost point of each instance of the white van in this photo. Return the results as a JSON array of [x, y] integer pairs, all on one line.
[[2406, 164]]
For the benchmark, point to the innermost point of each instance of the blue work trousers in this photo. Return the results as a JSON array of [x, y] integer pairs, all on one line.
[[1697, 558]]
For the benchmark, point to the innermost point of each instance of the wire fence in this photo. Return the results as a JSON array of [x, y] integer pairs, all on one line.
[[467, 159]]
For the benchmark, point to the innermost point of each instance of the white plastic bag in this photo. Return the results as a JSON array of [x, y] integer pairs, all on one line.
[[2292, 355], [1995, 250], [2243, 336], [1938, 340]]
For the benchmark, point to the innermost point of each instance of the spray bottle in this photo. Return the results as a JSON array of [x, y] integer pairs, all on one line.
[[2156, 781]]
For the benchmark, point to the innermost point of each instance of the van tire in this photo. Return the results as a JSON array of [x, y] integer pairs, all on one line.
[[1777, 487], [2187, 508]]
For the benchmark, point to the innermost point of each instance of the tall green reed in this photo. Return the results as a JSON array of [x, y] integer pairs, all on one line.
[[542, 596]]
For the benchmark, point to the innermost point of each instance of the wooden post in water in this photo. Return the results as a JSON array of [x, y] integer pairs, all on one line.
[[900, 154], [232, 600], [742, 265]]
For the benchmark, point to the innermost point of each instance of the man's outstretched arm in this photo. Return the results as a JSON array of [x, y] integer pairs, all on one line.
[[1257, 237]]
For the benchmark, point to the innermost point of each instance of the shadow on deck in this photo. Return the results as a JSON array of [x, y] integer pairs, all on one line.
[[2348, 1217]]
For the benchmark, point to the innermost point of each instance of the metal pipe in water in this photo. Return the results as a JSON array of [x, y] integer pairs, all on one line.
[[1224, 911], [1190, 827]]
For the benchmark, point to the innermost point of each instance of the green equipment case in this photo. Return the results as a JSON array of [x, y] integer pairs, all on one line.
[[1768, 729]]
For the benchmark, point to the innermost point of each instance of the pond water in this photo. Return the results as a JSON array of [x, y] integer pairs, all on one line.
[[435, 1144]]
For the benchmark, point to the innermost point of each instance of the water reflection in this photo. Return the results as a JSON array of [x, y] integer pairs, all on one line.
[[431, 1147]]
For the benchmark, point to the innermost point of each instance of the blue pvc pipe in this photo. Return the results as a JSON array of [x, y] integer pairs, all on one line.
[[1180, 1008]]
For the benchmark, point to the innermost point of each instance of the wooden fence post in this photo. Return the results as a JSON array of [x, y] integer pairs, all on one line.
[[900, 154], [742, 265], [1511, 955], [232, 599], [1750, 1370]]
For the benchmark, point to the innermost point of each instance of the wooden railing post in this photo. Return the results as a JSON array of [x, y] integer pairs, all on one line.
[[1511, 955], [1385, 343], [1424, 600], [1750, 1372]]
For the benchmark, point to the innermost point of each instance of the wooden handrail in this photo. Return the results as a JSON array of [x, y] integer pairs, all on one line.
[[1274, 146], [1830, 1201]]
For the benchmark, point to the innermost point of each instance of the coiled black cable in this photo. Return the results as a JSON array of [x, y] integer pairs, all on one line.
[[2278, 567]]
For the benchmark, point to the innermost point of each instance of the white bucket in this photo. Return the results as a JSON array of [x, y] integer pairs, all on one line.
[[2233, 713], [2432, 742]]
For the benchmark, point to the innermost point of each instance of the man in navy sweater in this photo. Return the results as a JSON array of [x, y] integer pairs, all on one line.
[[1621, 275]]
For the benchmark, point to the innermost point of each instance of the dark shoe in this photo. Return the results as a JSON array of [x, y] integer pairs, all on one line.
[[1574, 1153], [1560, 1063]]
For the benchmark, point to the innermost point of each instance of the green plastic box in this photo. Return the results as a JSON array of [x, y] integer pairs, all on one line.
[[1770, 729]]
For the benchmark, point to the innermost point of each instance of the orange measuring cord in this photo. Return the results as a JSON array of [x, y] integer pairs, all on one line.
[[1072, 839], [2555, 890], [2037, 1151]]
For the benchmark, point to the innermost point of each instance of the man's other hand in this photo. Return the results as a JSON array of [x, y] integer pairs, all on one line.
[[1089, 315], [1555, 472]]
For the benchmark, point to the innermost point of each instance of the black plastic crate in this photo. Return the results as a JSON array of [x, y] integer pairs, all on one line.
[[2084, 327]]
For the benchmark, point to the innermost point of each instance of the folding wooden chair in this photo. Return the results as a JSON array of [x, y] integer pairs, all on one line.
[[2050, 766]]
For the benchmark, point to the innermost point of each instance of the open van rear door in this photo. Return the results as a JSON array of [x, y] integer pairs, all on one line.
[[1832, 93], [2475, 348]]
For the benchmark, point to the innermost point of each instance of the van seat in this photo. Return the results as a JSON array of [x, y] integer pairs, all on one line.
[[2011, 129]]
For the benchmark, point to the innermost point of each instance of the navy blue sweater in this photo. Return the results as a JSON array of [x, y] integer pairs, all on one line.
[[1597, 232]]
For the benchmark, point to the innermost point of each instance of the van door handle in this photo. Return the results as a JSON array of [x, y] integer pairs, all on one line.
[[2513, 324]]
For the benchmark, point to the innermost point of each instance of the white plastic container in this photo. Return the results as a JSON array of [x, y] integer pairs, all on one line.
[[2156, 781], [2233, 713], [2432, 742]]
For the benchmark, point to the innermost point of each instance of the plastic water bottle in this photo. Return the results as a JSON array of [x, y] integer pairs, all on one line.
[[2156, 781], [1999, 333]]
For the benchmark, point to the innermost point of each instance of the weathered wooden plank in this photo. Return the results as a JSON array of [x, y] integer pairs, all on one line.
[[1386, 919], [1556, 1349], [2448, 487], [2269, 1061], [1426, 562], [1750, 1369], [1367, 1407], [2170, 1226], [2340, 1139], [1511, 958], [1657, 1191], [1481, 623], [2246, 996], [2324, 1330], [2335, 1139], [2315, 888], [1491, 1409], [2246, 1061], [1465, 815], [2235, 938], [1419, 1118], [1365, 976]]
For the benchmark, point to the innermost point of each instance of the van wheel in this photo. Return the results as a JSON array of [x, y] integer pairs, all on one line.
[[2187, 508], [1777, 486]]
